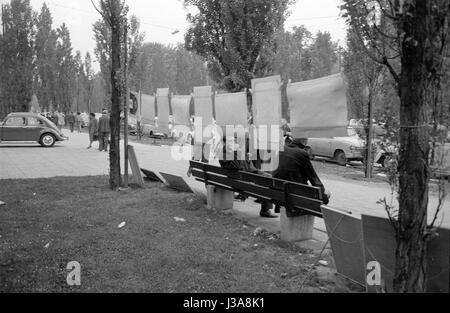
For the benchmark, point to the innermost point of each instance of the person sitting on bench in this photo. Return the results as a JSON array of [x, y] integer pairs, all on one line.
[[230, 149], [295, 165]]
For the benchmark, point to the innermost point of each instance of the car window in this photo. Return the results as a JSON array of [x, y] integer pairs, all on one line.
[[15, 121], [33, 121]]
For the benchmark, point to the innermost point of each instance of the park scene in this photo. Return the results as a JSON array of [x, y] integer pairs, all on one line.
[[215, 146]]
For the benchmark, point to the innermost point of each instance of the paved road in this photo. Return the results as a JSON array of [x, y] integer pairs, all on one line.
[[71, 158]]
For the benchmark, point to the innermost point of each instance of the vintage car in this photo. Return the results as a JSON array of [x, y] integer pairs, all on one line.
[[341, 149], [30, 127]]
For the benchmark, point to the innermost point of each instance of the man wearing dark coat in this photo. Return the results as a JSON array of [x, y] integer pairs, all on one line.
[[295, 165]]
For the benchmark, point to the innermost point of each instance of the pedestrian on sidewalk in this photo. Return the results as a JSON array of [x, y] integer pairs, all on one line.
[[71, 121], [79, 121], [103, 131], [93, 129], [60, 120]]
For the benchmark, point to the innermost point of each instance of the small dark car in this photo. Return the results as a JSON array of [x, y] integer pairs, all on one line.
[[26, 127]]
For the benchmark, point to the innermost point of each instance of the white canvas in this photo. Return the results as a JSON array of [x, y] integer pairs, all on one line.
[[163, 109], [180, 109], [203, 105], [318, 107], [148, 109], [231, 109], [267, 110]]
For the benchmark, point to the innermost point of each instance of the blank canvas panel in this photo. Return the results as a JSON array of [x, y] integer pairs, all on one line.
[[267, 110], [148, 109], [231, 109], [346, 237], [176, 182], [380, 245], [163, 107], [203, 105], [318, 107], [180, 110]]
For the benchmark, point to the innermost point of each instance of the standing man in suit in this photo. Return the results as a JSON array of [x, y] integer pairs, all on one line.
[[71, 121], [103, 131]]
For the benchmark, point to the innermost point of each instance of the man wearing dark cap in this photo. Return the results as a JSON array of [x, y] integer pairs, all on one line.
[[295, 165]]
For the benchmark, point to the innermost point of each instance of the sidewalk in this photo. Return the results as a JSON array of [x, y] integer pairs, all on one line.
[[71, 158]]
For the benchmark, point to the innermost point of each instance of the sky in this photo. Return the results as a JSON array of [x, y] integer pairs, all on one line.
[[160, 18]]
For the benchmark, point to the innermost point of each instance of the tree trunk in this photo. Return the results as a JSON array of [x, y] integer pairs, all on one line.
[[410, 271], [115, 179]]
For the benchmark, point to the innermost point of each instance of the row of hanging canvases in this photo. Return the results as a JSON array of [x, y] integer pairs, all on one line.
[[318, 108]]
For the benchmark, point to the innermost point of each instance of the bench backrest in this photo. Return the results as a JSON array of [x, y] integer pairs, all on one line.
[[291, 195]]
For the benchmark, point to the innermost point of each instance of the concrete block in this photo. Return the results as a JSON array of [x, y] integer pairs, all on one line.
[[219, 199], [296, 228]]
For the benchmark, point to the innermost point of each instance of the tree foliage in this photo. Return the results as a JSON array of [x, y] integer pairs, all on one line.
[[45, 47], [160, 66], [236, 38], [16, 57], [103, 50]]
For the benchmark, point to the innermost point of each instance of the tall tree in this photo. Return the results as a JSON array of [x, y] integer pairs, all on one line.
[[418, 38], [236, 37], [114, 14], [80, 84], [17, 53], [66, 80], [45, 79]]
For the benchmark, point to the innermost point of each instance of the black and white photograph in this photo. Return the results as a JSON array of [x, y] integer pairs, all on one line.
[[222, 152]]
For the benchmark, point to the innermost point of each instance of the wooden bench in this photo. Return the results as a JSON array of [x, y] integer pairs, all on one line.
[[301, 203]]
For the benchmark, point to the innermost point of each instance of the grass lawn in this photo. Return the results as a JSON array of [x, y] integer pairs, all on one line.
[[47, 223]]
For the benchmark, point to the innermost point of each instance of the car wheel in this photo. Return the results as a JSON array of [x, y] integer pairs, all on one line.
[[47, 140], [340, 158], [310, 153]]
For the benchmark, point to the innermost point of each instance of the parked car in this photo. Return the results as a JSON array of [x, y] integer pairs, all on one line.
[[27, 127], [340, 149], [440, 167]]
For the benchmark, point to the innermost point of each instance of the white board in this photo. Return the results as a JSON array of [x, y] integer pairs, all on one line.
[[267, 110], [231, 109], [318, 107], [180, 110], [203, 105], [148, 109], [163, 108]]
